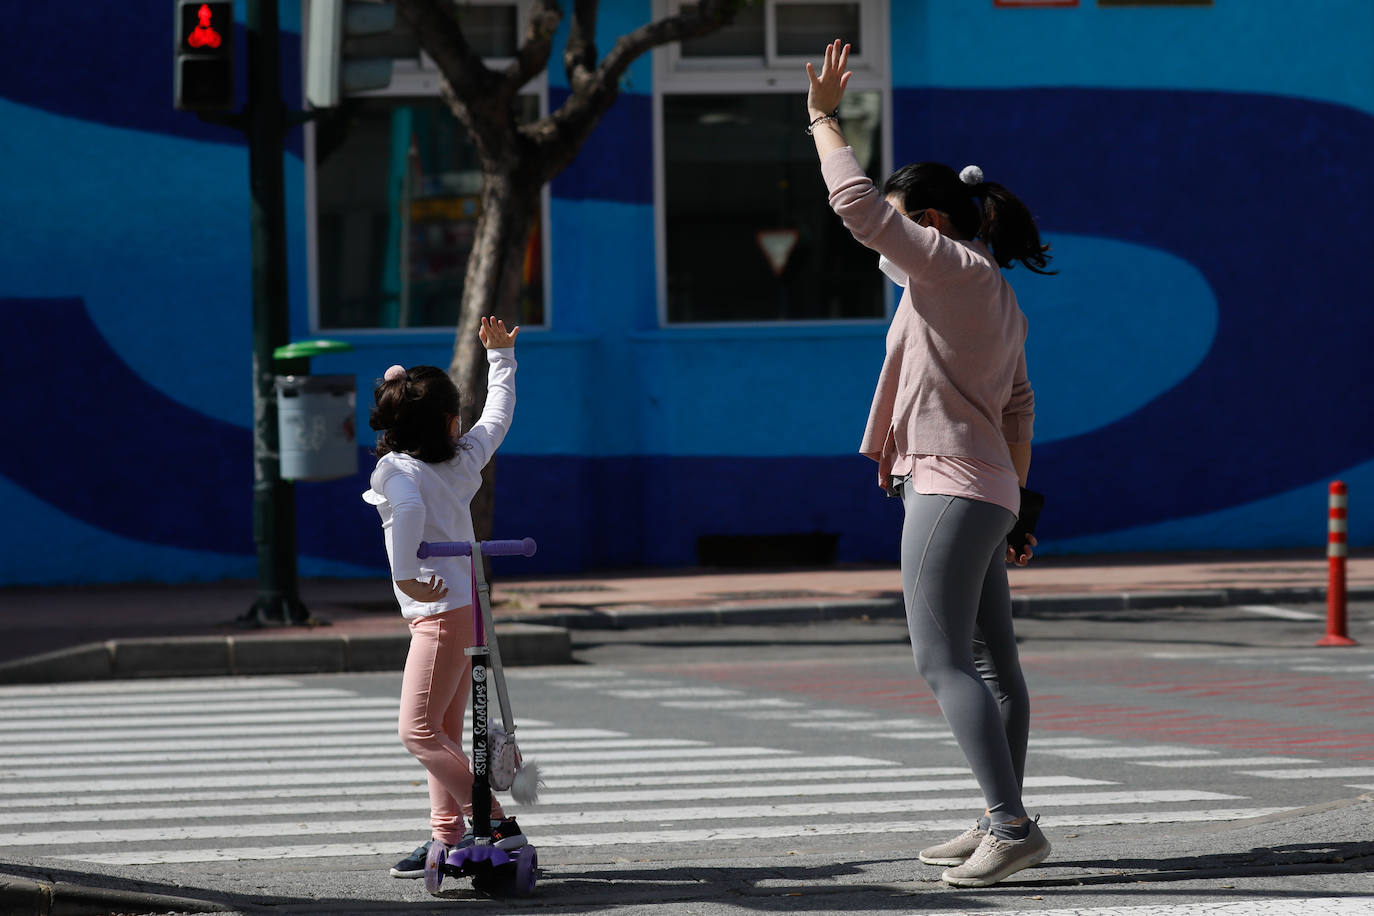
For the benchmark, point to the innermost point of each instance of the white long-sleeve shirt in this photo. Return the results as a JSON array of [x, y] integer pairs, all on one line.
[[419, 501]]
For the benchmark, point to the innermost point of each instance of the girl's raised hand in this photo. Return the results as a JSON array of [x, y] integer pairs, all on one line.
[[494, 335], [826, 90]]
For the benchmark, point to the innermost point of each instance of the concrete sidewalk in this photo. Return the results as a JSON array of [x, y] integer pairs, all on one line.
[[84, 633]]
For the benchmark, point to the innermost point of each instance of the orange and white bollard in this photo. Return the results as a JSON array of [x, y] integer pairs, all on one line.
[[1335, 569]]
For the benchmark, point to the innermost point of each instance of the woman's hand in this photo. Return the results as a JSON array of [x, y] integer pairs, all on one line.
[[827, 89], [422, 591], [1025, 557], [494, 335]]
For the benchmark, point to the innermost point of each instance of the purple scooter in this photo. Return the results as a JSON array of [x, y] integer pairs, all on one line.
[[492, 870]]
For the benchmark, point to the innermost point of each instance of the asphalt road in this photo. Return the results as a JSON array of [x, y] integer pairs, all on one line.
[[1210, 760]]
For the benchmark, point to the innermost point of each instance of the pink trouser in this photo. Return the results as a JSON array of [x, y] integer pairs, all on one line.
[[434, 694]]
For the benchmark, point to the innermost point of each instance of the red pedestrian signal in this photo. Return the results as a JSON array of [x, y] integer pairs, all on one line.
[[204, 56], [204, 34]]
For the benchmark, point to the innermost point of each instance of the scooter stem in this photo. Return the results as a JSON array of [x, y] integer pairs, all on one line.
[[493, 649]]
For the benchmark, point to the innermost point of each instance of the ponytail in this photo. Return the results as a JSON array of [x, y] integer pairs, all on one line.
[[978, 208], [413, 412], [1009, 229]]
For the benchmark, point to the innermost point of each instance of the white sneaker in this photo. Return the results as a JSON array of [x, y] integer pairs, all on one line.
[[996, 859], [955, 851]]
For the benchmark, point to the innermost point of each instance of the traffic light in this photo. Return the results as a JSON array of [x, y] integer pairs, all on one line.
[[203, 60], [333, 69]]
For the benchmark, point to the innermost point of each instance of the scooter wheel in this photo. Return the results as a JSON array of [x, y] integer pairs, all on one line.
[[526, 870], [434, 866]]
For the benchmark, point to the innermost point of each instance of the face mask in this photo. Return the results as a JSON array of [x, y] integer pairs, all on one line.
[[894, 273]]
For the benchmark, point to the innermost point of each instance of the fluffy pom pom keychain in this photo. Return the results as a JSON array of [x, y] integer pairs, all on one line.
[[508, 768]]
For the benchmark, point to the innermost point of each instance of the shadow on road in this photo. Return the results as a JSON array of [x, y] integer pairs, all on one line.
[[1271, 861], [853, 886]]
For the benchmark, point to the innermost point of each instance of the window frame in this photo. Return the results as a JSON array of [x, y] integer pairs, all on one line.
[[415, 80], [676, 75], [873, 56]]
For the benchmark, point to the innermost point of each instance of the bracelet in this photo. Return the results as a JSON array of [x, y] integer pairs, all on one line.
[[833, 116]]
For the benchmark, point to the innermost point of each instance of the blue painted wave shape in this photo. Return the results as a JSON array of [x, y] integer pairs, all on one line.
[[1212, 178], [1271, 406]]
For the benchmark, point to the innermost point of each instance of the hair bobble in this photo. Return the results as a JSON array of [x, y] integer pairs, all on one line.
[[971, 175], [394, 373]]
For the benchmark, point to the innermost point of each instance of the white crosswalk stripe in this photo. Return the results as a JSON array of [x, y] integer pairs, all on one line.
[[1315, 773], [1102, 752], [657, 693], [244, 739], [748, 704], [1286, 659], [276, 768], [391, 748], [1283, 613], [41, 769], [1226, 762]]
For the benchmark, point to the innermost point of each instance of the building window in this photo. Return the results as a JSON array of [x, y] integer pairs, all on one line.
[[750, 234], [779, 32], [742, 38], [396, 186], [397, 201], [804, 27], [746, 230]]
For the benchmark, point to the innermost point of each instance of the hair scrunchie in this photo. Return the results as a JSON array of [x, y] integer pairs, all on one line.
[[971, 175], [394, 373]]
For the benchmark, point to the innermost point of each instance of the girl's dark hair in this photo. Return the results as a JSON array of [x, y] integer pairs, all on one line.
[[413, 413], [984, 210]]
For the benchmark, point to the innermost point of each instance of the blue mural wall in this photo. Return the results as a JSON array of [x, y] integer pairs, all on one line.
[[1198, 361]]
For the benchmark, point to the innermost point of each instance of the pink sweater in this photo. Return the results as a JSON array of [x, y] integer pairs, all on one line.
[[953, 381]]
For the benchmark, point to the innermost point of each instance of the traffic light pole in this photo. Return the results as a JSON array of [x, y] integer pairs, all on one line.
[[274, 515]]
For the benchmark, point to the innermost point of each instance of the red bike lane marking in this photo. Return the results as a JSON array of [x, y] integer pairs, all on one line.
[[1055, 713], [1051, 711]]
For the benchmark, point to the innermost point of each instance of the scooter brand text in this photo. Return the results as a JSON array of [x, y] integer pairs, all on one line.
[[479, 720]]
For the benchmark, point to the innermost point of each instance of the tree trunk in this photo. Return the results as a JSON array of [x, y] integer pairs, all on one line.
[[517, 161], [492, 287]]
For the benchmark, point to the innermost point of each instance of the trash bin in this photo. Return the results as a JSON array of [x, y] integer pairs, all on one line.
[[316, 418], [316, 426]]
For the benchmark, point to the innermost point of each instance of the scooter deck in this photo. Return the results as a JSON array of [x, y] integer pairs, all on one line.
[[477, 858], [492, 870]]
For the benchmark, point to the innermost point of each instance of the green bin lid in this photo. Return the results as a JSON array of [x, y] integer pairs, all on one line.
[[304, 349]]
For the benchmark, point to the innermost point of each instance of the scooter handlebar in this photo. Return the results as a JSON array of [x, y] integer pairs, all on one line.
[[521, 548]]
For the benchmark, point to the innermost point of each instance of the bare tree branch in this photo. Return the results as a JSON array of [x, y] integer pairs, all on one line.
[[579, 56], [594, 88], [691, 22], [442, 38], [467, 80], [532, 57]]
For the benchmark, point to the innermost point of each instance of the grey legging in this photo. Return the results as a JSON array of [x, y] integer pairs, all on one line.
[[958, 609]]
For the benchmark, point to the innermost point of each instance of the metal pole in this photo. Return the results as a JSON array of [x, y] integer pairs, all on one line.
[[274, 518], [1336, 551]]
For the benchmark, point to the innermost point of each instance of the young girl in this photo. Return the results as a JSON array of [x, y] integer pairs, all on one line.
[[425, 479], [950, 428]]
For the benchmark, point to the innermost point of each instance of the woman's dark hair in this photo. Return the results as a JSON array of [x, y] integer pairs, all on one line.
[[413, 413], [984, 210]]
